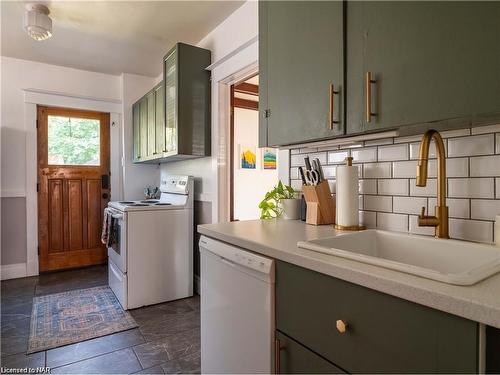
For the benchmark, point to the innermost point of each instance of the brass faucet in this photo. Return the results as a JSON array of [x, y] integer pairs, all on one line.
[[440, 220]]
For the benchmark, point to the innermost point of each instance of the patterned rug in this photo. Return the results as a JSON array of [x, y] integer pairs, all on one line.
[[66, 318]]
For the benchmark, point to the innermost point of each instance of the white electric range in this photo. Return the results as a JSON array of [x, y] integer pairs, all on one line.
[[152, 260]]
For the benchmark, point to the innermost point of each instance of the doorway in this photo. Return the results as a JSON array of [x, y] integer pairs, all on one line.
[[73, 186], [253, 170]]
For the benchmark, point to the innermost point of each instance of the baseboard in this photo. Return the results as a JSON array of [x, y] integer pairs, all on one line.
[[13, 271], [197, 284]]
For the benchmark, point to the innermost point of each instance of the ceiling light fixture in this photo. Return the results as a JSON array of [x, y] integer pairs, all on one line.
[[37, 22]]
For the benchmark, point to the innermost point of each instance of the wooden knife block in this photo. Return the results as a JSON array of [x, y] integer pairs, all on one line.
[[320, 204]]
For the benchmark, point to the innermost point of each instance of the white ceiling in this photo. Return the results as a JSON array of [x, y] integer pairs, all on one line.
[[112, 36]]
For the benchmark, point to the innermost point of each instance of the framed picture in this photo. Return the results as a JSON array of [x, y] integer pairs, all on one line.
[[248, 158], [269, 158]]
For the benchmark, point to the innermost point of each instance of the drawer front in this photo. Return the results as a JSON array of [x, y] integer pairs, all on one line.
[[296, 359], [383, 334]]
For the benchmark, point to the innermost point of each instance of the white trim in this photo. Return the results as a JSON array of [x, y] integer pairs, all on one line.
[[13, 193], [13, 271], [234, 67], [58, 99], [32, 98]]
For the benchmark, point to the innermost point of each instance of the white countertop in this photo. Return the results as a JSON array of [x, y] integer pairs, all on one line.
[[278, 239]]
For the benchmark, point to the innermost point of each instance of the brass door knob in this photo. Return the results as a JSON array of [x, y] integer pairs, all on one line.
[[341, 326]]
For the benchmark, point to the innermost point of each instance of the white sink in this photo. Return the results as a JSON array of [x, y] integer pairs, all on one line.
[[449, 261]]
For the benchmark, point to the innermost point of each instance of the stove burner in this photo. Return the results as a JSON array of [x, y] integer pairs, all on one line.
[[138, 204], [126, 202], [150, 201], [163, 204]]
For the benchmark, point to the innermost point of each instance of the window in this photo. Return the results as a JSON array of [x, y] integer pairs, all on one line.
[[73, 141]]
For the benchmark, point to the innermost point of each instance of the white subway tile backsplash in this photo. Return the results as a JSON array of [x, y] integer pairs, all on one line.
[[364, 155], [458, 208], [484, 209], [415, 149], [394, 152], [379, 142], [409, 205], [296, 185], [388, 196], [337, 157], [429, 190], [470, 146], [378, 203], [455, 133], [484, 166], [368, 219], [471, 188], [368, 186], [393, 187], [471, 230], [404, 169], [394, 222], [329, 171], [486, 129], [415, 229], [333, 185], [377, 170]]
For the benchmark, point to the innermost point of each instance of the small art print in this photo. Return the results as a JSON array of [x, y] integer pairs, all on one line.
[[269, 158], [247, 157]]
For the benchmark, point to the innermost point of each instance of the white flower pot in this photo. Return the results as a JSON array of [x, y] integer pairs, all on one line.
[[291, 208]]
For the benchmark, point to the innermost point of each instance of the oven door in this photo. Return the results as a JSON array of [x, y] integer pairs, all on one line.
[[117, 252]]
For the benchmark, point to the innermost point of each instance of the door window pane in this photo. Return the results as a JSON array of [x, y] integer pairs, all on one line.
[[73, 141]]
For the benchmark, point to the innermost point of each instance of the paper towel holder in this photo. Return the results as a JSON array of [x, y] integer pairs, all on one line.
[[349, 227]]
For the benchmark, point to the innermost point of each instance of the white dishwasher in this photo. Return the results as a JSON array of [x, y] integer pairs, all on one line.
[[237, 309]]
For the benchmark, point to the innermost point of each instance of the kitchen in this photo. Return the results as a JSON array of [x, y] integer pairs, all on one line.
[[373, 79]]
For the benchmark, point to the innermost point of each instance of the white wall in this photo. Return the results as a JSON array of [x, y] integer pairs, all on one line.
[[240, 27], [17, 75], [250, 185]]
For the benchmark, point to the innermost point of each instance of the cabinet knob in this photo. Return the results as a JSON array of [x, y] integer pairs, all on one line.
[[341, 326]]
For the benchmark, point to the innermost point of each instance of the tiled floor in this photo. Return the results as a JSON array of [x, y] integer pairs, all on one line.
[[166, 342]]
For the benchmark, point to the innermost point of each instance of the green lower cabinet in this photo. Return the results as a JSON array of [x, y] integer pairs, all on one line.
[[430, 61], [297, 359], [383, 333]]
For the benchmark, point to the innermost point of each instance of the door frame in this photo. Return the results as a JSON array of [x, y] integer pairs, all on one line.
[[83, 256], [33, 98]]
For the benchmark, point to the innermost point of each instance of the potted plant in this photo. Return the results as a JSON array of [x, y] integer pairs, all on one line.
[[282, 201]]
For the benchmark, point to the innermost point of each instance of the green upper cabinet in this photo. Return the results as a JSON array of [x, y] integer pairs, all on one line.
[[429, 61], [136, 132], [172, 121], [301, 71]]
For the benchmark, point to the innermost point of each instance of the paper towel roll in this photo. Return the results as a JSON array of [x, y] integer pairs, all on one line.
[[347, 195]]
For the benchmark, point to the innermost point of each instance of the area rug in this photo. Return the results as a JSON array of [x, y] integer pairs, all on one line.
[[78, 315]]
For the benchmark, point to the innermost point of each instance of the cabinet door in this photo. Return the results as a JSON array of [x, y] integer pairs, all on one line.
[[430, 61], [301, 57], [296, 359], [143, 128], [160, 119], [170, 81], [136, 127], [150, 98]]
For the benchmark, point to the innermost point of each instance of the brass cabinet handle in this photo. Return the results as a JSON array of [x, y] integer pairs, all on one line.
[[368, 88], [341, 326], [331, 116]]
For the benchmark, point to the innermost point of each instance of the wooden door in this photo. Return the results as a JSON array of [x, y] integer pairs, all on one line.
[[301, 57], [73, 186], [431, 61]]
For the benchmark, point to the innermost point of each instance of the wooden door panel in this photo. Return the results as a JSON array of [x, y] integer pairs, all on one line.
[[75, 214], [70, 199], [56, 225], [94, 213]]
